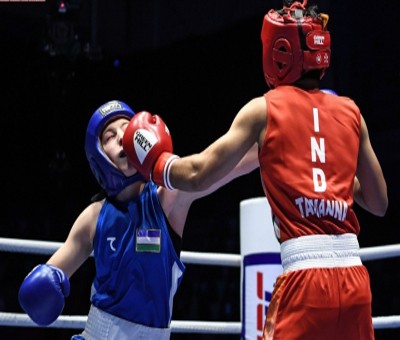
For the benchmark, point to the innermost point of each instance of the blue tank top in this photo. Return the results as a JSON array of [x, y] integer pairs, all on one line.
[[137, 268]]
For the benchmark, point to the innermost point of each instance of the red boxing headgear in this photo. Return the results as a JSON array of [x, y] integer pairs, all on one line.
[[294, 44]]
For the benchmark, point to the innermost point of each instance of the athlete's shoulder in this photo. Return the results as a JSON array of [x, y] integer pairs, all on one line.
[[257, 105], [91, 212], [348, 105]]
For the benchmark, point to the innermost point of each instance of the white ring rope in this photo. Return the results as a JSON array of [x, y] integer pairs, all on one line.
[[79, 321], [177, 326], [48, 248], [217, 259], [380, 252]]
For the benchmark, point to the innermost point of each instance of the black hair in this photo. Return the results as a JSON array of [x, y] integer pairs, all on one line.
[[309, 80], [99, 196]]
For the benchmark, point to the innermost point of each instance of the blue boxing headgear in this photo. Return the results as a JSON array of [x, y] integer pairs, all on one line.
[[110, 178]]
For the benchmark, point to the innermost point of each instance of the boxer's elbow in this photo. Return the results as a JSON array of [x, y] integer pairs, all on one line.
[[381, 208]]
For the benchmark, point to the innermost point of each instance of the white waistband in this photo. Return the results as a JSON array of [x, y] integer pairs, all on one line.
[[104, 326], [320, 251]]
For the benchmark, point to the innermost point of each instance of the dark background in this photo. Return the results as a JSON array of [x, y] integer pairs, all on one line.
[[195, 63]]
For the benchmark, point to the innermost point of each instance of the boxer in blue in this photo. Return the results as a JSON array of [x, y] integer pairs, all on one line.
[[134, 229]]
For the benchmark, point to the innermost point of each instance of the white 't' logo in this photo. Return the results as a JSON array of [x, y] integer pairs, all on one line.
[[111, 240]]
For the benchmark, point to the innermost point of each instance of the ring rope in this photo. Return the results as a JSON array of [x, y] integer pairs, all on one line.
[[79, 321], [217, 259], [177, 326], [48, 248], [380, 252]]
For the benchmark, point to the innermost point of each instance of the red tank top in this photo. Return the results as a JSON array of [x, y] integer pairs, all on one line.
[[308, 162]]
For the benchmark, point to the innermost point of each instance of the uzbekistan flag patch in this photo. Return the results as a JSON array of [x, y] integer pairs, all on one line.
[[148, 240]]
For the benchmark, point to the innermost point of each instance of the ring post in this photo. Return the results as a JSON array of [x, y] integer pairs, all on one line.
[[261, 264]]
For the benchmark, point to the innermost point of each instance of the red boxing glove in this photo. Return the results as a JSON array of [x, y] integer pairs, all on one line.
[[148, 144]]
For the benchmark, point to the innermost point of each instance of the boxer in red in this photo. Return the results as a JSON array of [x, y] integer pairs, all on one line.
[[316, 160]]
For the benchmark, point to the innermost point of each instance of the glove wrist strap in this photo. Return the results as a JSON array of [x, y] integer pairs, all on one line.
[[162, 168]]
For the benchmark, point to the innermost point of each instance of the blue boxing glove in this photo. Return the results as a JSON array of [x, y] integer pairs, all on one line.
[[43, 292]]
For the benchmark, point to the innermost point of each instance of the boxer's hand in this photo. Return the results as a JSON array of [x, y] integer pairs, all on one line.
[[148, 145], [43, 292]]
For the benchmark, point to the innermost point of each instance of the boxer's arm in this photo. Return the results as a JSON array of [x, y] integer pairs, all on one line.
[[176, 203], [370, 190], [43, 291], [79, 244], [200, 171]]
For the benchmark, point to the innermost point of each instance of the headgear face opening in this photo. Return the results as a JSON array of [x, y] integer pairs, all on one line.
[[110, 178], [294, 44]]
